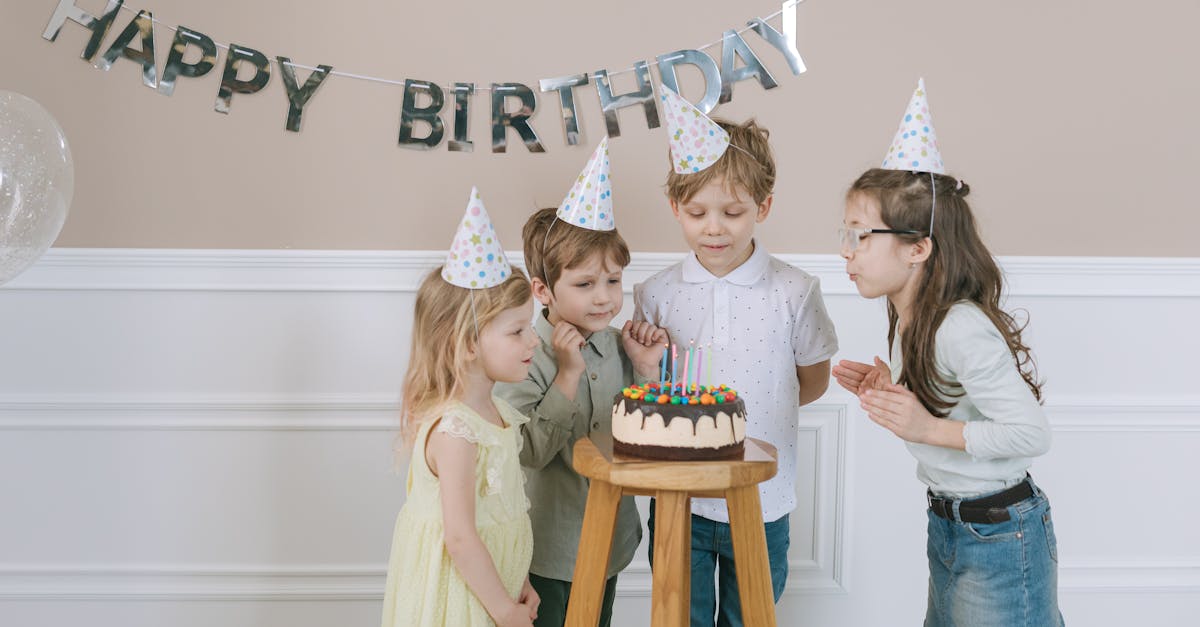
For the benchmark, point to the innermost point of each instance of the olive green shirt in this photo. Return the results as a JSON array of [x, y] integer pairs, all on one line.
[[558, 494]]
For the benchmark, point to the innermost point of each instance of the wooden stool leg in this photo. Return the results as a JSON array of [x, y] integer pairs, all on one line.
[[750, 555], [591, 562], [671, 601]]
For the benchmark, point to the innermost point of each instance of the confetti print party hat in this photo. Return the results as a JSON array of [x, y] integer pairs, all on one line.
[[476, 259], [696, 141], [915, 147], [589, 203]]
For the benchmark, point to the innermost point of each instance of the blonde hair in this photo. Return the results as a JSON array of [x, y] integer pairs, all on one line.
[[551, 247], [748, 163], [445, 320]]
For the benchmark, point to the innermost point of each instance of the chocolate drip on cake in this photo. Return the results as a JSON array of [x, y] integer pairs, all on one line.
[[733, 409]]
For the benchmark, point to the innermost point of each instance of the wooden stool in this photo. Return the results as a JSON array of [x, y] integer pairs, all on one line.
[[673, 484]]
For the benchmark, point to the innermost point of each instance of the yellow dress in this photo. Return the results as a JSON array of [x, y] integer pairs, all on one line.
[[423, 587]]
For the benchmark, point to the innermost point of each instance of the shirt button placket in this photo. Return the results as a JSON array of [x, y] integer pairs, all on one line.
[[592, 392], [721, 313]]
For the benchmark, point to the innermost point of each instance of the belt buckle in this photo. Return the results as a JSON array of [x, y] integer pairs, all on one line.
[[939, 506]]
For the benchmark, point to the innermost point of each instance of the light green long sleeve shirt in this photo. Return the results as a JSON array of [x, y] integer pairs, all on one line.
[[558, 494]]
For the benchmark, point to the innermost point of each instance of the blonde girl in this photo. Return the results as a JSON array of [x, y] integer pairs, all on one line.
[[463, 543]]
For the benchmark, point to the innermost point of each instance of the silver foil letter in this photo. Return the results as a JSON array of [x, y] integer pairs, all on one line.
[[462, 102], [644, 96], [98, 25], [566, 97], [785, 42], [142, 24], [733, 46], [298, 96], [229, 81], [708, 68], [503, 119], [176, 67], [410, 113]]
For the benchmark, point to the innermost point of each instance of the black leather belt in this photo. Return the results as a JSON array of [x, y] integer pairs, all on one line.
[[989, 509]]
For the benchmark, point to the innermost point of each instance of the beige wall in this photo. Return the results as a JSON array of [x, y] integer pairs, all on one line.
[[1075, 122]]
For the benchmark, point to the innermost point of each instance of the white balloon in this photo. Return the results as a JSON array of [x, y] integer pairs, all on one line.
[[37, 179]]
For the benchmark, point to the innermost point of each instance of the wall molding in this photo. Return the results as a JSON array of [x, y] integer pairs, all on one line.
[[180, 582], [124, 269], [136, 272], [1091, 414], [200, 413], [365, 582]]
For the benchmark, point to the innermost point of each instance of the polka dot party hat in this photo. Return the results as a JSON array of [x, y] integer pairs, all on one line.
[[589, 203], [915, 147], [696, 141], [476, 259]]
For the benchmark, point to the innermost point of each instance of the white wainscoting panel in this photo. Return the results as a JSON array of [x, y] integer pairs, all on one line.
[[205, 437]]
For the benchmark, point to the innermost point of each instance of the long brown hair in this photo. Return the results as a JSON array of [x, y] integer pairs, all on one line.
[[444, 324], [958, 268]]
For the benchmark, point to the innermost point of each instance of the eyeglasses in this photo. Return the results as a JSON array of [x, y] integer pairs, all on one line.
[[848, 239]]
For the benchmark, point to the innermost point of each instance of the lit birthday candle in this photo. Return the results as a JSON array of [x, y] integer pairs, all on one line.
[[674, 365], [687, 369], [688, 379], [662, 368]]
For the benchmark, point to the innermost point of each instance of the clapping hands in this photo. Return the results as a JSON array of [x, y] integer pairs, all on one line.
[[858, 377], [893, 407]]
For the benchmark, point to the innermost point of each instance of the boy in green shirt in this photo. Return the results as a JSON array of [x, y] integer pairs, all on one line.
[[575, 258]]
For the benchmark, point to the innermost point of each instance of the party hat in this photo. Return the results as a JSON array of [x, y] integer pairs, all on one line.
[[476, 259], [915, 147], [696, 141], [589, 203]]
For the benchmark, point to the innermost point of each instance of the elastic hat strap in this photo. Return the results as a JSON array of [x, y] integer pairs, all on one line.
[[933, 209], [547, 239], [475, 319]]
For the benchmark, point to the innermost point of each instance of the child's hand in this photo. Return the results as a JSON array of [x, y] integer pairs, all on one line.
[[643, 343], [517, 615], [858, 377], [567, 340], [643, 333], [530, 597], [897, 409]]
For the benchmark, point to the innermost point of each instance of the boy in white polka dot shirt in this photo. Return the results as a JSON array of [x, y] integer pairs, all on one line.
[[770, 336]]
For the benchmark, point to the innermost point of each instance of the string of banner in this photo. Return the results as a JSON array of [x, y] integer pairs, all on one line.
[[719, 79]]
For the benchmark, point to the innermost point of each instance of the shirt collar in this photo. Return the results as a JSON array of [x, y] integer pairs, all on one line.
[[748, 273], [602, 342]]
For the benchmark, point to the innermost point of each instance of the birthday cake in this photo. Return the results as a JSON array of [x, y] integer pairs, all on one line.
[[661, 422]]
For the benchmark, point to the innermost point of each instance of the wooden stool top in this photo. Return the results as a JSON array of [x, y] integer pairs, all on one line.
[[594, 459]]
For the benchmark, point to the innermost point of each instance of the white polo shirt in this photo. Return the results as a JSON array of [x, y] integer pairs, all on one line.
[[763, 320]]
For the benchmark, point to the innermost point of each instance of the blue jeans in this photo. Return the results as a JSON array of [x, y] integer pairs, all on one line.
[[713, 572], [994, 574]]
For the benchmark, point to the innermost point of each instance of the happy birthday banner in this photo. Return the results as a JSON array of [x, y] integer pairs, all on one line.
[[718, 78]]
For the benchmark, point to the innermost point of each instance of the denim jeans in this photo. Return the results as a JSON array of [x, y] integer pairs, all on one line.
[[713, 574], [994, 574]]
